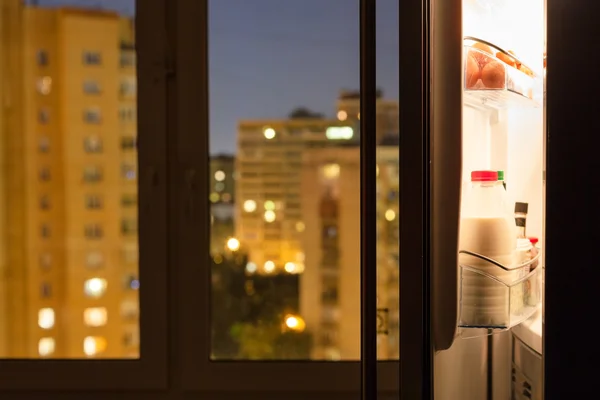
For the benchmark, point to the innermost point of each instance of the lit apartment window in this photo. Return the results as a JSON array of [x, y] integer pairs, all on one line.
[[128, 200], [329, 295], [92, 174], [330, 314], [130, 253], [45, 260], [94, 287], [44, 174], [44, 85], [329, 232], [45, 202], [127, 59], [131, 337], [92, 58], [132, 282], [128, 171], [93, 231], [93, 345], [91, 87], [44, 144], [94, 259], [92, 115], [93, 202], [46, 346], [42, 58], [92, 144], [95, 316], [127, 114], [129, 310], [45, 290], [45, 231], [46, 318], [129, 227], [44, 115], [128, 143], [128, 86]]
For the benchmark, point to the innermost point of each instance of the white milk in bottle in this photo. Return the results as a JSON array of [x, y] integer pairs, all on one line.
[[488, 229]]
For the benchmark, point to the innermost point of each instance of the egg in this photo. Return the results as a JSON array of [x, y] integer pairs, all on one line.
[[517, 64], [482, 59], [473, 71], [493, 75], [506, 58], [526, 70]]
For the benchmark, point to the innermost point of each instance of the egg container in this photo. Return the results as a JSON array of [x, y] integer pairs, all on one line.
[[515, 89]]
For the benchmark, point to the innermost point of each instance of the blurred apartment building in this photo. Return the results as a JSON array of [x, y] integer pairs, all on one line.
[[68, 283], [348, 110], [222, 197], [283, 212], [269, 220], [330, 285]]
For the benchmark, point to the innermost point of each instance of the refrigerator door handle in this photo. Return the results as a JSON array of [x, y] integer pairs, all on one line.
[[446, 166]]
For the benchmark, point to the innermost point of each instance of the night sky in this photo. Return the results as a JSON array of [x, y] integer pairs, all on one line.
[[270, 56]]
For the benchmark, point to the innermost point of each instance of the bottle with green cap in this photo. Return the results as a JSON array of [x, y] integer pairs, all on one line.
[[501, 178]]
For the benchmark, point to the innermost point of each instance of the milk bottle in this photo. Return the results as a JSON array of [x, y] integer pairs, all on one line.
[[488, 229]]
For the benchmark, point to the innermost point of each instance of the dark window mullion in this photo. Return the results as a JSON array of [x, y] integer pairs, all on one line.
[[368, 203]]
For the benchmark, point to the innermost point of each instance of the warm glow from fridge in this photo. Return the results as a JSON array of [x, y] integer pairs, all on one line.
[[516, 25]]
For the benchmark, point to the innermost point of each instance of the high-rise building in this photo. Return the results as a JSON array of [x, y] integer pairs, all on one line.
[[387, 120], [222, 197], [10, 122], [329, 285], [70, 184], [222, 178], [269, 219]]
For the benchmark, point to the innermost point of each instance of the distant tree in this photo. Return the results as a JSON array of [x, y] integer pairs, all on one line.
[[303, 112], [227, 303], [267, 341]]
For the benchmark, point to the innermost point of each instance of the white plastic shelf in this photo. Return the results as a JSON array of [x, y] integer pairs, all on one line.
[[508, 85]]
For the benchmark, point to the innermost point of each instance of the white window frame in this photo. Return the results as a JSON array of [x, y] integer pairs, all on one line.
[[192, 220], [33, 378]]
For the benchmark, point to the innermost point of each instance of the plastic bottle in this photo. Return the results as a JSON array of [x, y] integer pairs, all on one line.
[[521, 218], [488, 229], [501, 179]]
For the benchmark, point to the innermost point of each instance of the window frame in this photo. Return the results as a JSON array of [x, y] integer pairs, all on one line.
[[31, 377], [189, 151]]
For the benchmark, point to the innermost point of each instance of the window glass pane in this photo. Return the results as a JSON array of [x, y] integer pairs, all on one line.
[[69, 214], [284, 178], [387, 174]]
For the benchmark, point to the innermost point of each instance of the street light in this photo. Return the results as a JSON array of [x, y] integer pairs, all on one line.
[[294, 323], [233, 244]]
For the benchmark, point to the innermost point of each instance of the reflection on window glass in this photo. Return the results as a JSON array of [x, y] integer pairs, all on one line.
[[61, 268], [285, 179]]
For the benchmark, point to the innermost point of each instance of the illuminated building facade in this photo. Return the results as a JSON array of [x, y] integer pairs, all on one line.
[[69, 287], [330, 284]]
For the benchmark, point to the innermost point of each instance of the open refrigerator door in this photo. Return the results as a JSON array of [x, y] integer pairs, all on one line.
[[496, 352]]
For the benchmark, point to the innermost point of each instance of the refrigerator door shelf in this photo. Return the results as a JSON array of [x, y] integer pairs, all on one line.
[[495, 79], [494, 298]]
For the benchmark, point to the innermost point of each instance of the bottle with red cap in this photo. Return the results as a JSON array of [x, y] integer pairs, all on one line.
[[487, 228], [534, 251]]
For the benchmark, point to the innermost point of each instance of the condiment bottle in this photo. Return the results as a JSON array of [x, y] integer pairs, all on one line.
[[521, 218], [534, 252]]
